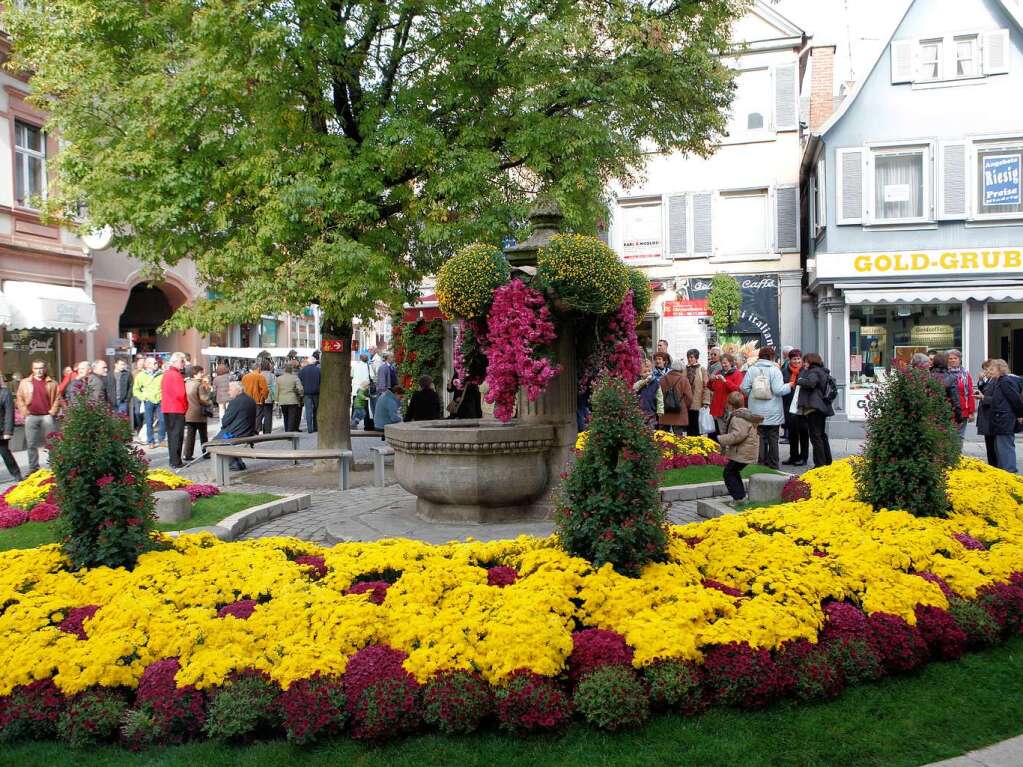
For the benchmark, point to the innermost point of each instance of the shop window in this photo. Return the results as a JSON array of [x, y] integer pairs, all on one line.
[[901, 185], [743, 223], [998, 181], [21, 347], [29, 163]]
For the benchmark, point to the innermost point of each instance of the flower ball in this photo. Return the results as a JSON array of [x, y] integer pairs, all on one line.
[[584, 273], [466, 281], [642, 296]]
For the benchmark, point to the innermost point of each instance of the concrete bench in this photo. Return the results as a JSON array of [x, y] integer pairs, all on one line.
[[370, 433], [255, 439], [222, 459], [380, 453]]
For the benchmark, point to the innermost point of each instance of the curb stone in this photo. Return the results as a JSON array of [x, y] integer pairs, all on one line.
[[232, 527]]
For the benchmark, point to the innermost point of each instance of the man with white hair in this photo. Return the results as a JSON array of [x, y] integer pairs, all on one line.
[[99, 386], [714, 365], [174, 403], [239, 419]]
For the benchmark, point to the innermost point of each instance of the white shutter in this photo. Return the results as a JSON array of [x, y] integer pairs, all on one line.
[[786, 97], [678, 232], [849, 187], [902, 52], [952, 180], [703, 223], [820, 190], [786, 218], [996, 50]]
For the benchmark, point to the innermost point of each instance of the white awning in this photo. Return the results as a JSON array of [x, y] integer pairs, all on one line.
[[6, 314], [915, 295], [40, 306], [250, 353]]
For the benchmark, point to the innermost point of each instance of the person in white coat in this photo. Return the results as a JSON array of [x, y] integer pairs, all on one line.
[[764, 387]]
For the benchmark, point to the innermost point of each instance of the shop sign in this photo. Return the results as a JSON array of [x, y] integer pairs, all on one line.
[[759, 313], [832, 266], [856, 404], [1002, 179], [687, 308], [22, 342], [641, 232], [332, 345], [934, 336]]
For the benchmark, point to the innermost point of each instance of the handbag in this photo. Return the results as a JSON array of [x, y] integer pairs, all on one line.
[[455, 405]]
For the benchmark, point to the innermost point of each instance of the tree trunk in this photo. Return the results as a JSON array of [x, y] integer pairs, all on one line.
[[333, 418]]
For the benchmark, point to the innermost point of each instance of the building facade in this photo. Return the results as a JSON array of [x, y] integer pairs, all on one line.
[[913, 203], [736, 211]]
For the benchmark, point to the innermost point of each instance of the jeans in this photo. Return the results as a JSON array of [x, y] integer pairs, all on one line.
[[12, 465], [733, 479], [266, 411], [36, 429], [153, 411], [358, 416], [799, 438], [175, 436], [236, 463], [1005, 445], [693, 429], [191, 427], [312, 402], [769, 446], [292, 416], [122, 409], [817, 423]]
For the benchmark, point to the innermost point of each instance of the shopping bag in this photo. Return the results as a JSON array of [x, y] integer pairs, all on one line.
[[707, 425], [794, 405]]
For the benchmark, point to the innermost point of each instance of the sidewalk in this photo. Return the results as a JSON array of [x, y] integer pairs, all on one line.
[[1008, 753]]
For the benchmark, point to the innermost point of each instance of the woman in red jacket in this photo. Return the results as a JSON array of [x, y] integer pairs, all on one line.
[[723, 384]]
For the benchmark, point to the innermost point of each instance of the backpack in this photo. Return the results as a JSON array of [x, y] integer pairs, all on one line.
[[830, 389], [761, 388], [672, 403]]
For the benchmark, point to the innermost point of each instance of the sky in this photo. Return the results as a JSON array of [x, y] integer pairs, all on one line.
[[862, 26]]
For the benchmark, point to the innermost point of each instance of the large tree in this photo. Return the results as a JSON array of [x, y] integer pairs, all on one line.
[[334, 151]]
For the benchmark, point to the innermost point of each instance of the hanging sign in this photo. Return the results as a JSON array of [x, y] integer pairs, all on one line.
[[690, 308], [1002, 179], [333, 345]]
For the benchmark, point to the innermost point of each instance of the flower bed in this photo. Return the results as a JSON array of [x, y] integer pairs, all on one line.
[[796, 600], [677, 452]]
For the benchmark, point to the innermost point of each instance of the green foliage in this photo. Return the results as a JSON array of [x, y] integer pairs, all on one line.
[[642, 295], [422, 351], [105, 501], [242, 707], [466, 282], [911, 444], [724, 301], [674, 685], [91, 717], [980, 628], [612, 698], [609, 509], [583, 272]]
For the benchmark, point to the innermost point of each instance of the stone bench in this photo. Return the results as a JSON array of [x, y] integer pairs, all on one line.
[[764, 488], [380, 454], [255, 439], [222, 460]]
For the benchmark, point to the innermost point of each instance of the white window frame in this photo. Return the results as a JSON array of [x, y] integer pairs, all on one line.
[[767, 193], [820, 198], [756, 134], [971, 37], [942, 49], [879, 150], [21, 160], [976, 146], [638, 202]]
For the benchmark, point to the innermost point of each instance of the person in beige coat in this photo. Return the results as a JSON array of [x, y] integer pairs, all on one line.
[[740, 444], [676, 381], [197, 397], [698, 379]]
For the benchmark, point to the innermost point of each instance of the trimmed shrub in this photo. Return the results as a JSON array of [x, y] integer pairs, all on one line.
[[175, 712], [595, 648], [844, 621], [912, 441], [642, 296], [466, 282], [583, 272], [105, 500], [528, 702], [857, 659], [91, 717], [140, 728], [312, 708], [612, 698], [980, 627], [455, 702], [31, 711], [724, 299], [386, 708], [900, 645], [675, 685], [368, 666], [377, 590], [1004, 601], [941, 633], [609, 507], [739, 675], [242, 609], [810, 671], [243, 707], [316, 564]]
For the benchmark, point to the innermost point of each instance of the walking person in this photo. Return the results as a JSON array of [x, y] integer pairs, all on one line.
[[740, 443], [425, 403], [289, 397], [136, 406], [221, 391], [816, 393], [267, 411], [698, 380], [174, 405], [7, 430], [726, 380], [37, 401], [147, 390], [309, 375], [678, 398], [254, 384], [386, 378], [1004, 401], [119, 389], [798, 430], [198, 397], [714, 360], [764, 389]]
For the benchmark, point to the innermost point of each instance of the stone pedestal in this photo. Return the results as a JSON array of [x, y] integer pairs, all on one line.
[[172, 505]]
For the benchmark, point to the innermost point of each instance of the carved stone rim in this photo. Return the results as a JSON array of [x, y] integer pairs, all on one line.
[[472, 448]]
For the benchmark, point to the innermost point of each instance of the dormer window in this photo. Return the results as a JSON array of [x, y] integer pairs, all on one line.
[[930, 60], [947, 59], [966, 56]]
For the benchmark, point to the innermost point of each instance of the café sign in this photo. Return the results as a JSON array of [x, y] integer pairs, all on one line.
[[920, 262]]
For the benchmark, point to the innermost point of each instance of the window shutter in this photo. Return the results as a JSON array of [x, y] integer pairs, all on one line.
[[786, 98], [849, 188], [996, 50], [678, 232], [703, 224], [820, 189], [902, 52], [786, 218], [952, 179]]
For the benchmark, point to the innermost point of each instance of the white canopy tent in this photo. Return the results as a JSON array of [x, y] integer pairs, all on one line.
[[250, 353], [40, 306]]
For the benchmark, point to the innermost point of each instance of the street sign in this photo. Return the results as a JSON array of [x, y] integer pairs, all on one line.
[[333, 345]]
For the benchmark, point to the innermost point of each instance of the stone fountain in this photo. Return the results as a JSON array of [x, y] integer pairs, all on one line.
[[488, 471]]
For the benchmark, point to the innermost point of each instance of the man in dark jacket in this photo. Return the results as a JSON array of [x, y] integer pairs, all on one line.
[[309, 375], [238, 421], [425, 403], [98, 383], [1004, 404], [119, 385]]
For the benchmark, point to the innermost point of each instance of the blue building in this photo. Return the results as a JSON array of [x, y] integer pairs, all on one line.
[[913, 204]]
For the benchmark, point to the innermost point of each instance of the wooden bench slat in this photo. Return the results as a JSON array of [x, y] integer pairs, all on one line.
[[257, 438], [244, 452]]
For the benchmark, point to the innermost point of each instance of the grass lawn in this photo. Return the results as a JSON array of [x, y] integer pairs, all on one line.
[[205, 511], [692, 475], [946, 710]]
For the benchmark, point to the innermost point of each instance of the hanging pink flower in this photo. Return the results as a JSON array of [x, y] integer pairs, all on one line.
[[518, 325], [618, 353]]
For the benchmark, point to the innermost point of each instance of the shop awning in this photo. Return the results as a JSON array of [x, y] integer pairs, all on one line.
[[40, 306], [250, 353], [427, 308], [6, 314], [922, 295]]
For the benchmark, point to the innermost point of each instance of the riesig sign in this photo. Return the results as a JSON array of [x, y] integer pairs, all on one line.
[[1002, 179]]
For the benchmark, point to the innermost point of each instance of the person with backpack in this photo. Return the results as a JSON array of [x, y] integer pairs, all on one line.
[[817, 390], [764, 388], [678, 396]]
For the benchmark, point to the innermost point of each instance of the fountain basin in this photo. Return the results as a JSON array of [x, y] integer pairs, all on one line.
[[475, 470]]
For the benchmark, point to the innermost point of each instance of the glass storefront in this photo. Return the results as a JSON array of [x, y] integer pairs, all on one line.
[[23, 346], [1005, 333]]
